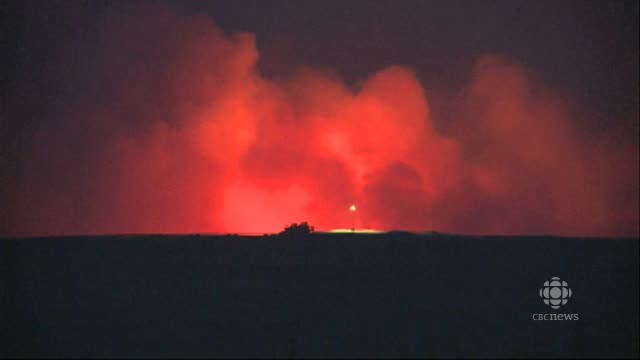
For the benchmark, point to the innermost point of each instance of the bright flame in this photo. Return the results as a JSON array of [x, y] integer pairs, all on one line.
[[352, 208], [356, 231]]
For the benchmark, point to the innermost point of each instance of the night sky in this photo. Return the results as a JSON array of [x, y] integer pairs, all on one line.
[[463, 116]]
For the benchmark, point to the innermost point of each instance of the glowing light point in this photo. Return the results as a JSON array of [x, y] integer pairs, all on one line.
[[352, 208]]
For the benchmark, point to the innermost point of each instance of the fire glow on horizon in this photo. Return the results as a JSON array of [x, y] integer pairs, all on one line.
[[197, 140]]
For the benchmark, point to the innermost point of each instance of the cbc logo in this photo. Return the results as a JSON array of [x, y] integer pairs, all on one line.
[[555, 292]]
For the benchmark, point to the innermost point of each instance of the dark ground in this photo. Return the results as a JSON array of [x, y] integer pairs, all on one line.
[[325, 295]]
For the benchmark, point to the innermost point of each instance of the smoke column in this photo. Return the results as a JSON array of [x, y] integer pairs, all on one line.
[[171, 128]]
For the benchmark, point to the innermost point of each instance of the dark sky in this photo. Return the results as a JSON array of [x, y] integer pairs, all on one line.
[[589, 48], [585, 51]]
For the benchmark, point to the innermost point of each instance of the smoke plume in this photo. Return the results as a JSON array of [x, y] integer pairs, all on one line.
[[169, 127]]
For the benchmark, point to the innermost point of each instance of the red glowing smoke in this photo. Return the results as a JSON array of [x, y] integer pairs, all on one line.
[[187, 136]]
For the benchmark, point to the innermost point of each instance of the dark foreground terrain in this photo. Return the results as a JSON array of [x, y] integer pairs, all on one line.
[[385, 295]]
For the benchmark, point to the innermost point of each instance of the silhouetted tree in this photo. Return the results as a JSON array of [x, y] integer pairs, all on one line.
[[294, 229]]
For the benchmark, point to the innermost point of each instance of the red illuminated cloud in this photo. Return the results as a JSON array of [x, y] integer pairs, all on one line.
[[194, 139]]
